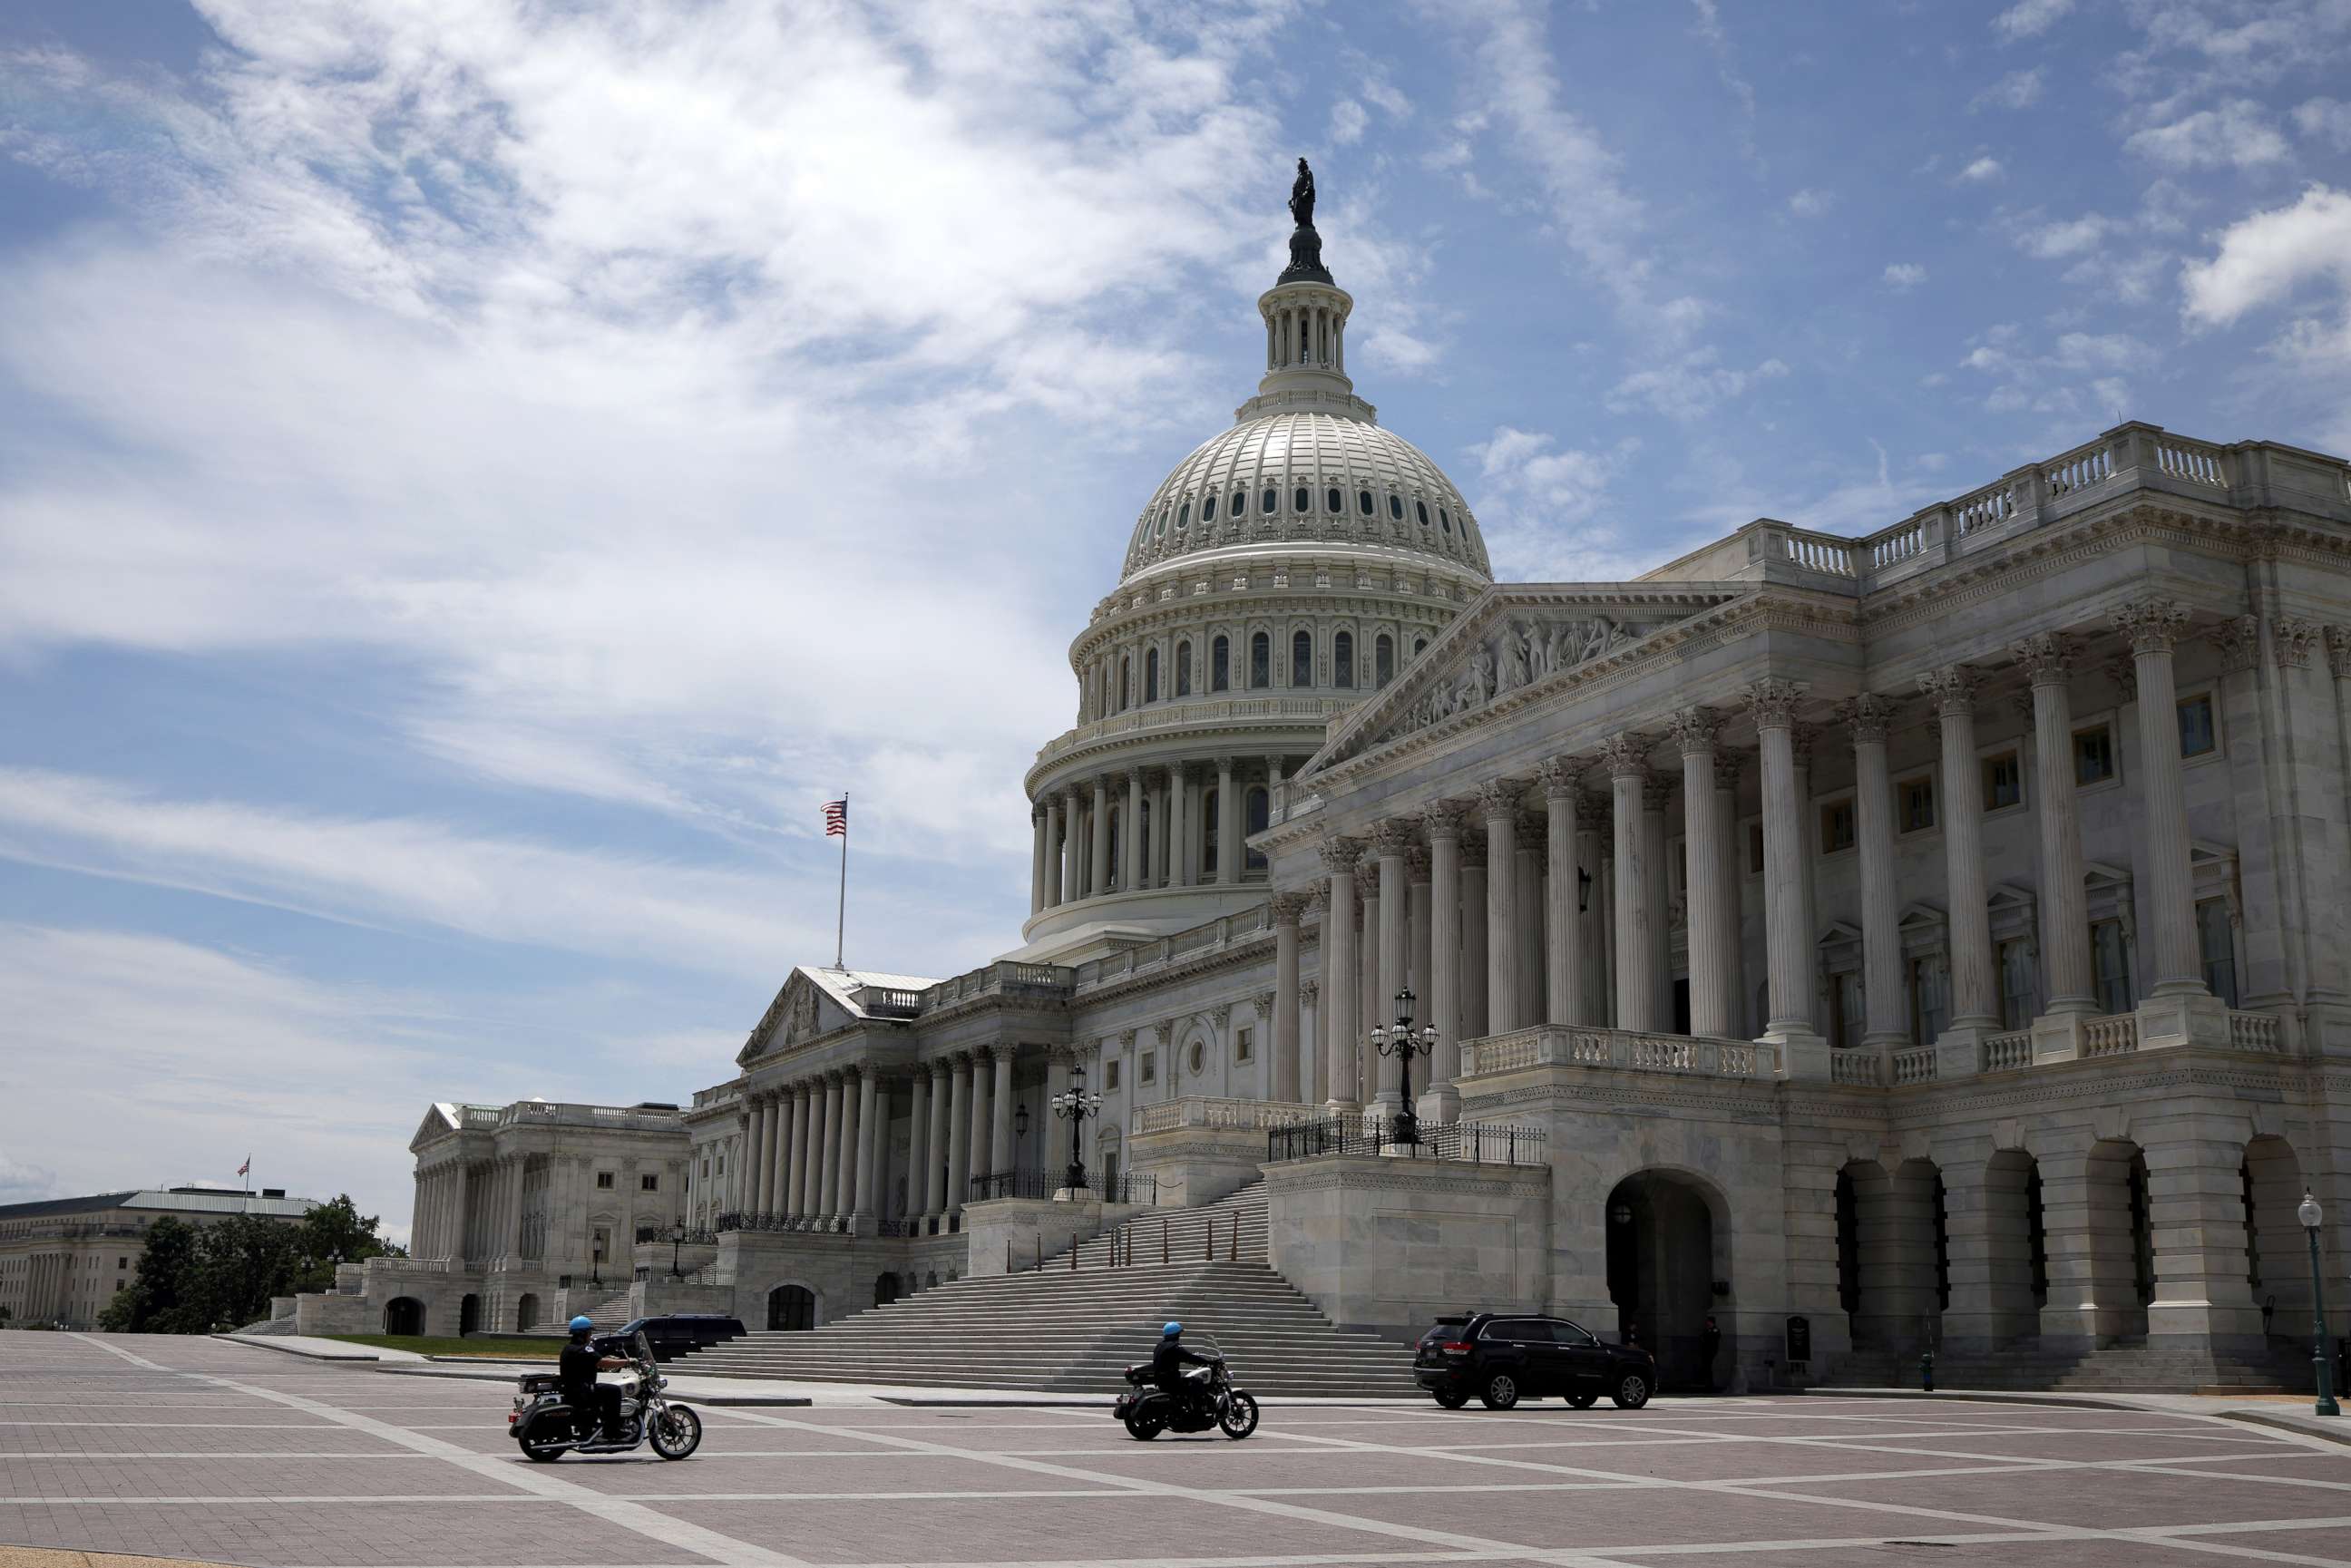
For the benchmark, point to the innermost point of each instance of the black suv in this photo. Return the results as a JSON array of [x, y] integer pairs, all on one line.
[[681, 1334], [1503, 1358]]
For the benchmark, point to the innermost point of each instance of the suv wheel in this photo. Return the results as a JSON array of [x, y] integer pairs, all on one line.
[[1453, 1398], [1582, 1401], [1632, 1391], [1501, 1392]]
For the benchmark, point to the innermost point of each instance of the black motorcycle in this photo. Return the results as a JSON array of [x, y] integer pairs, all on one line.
[[547, 1428], [1209, 1399]]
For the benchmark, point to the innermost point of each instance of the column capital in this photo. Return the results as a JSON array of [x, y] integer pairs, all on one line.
[[1656, 790], [940, 1068], [1442, 820], [1593, 806], [1557, 775], [1284, 909], [2151, 625], [2291, 638], [1800, 737], [1339, 855], [1417, 861], [1952, 689], [1773, 703], [1308, 989], [2338, 650], [1694, 730], [1225, 763], [1116, 778], [1498, 798], [1868, 717], [1263, 1003], [1626, 756], [1473, 848], [2239, 642], [1392, 837], [2123, 672], [1726, 764], [1534, 826], [2047, 657]]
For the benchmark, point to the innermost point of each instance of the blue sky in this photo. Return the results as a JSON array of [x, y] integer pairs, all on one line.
[[473, 477]]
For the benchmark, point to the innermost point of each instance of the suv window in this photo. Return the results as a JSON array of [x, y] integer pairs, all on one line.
[[1520, 1331], [1571, 1333], [1445, 1328]]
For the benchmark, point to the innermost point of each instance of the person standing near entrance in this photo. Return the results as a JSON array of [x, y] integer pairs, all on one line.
[[1709, 1346]]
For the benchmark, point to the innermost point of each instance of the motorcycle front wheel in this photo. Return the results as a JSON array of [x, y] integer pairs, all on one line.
[[1239, 1417], [676, 1432]]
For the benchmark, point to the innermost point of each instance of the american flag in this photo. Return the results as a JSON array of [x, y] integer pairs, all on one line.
[[836, 818], [247, 1168]]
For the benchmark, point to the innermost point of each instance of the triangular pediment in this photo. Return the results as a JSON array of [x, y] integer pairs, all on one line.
[[800, 1012], [1515, 643], [439, 1122]]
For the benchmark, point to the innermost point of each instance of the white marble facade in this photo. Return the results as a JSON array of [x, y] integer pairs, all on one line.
[[1938, 935]]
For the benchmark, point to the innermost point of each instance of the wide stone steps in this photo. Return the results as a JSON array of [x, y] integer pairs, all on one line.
[[1182, 1234], [2129, 1366], [1055, 1330]]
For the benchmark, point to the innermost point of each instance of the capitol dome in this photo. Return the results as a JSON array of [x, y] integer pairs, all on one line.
[[1283, 479]]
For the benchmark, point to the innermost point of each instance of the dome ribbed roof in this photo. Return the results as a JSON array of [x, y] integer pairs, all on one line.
[[1413, 506]]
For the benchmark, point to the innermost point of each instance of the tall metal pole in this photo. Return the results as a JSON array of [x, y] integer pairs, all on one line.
[[841, 916], [2318, 1357]]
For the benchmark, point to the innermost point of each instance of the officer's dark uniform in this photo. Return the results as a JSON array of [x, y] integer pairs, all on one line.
[[1167, 1364], [583, 1392]]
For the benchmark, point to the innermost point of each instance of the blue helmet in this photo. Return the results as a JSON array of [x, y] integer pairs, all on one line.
[[1172, 1329], [583, 1323]]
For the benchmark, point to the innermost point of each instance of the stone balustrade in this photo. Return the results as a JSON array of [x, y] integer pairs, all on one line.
[[1210, 936], [1858, 1068], [1220, 1113], [1913, 1064], [1552, 1045], [2007, 1052], [1191, 714], [2113, 1036], [2258, 1033]]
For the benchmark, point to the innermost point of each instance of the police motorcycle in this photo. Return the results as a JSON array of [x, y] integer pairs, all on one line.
[[547, 1428], [1210, 1400]]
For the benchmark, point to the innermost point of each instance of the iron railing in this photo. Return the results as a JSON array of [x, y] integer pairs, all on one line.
[[815, 1223], [1475, 1143], [1045, 1184]]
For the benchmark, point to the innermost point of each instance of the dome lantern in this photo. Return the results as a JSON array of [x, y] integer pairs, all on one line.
[[1305, 314]]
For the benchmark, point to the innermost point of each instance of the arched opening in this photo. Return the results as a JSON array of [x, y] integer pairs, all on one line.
[[791, 1308], [1342, 659], [1151, 675], [1183, 669], [1383, 660], [525, 1313], [1301, 658], [1260, 808], [2016, 1250], [1663, 1262], [885, 1290], [2275, 1247], [2118, 1242], [469, 1314], [403, 1316], [931, 1280], [1220, 664], [1261, 661], [1894, 1254]]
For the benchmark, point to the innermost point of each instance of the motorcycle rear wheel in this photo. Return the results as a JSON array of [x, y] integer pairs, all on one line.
[[1142, 1427], [1240, 1416], [676, 1432], [546, 1450]]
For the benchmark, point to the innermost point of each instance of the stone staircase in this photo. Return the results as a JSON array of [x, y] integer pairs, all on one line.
[[608, 1315], [2125, 1366], [1060, 1330]]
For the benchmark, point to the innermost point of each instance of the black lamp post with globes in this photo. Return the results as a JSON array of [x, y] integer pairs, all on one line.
[[1074, 1106], [2309, 1214], [1403, 1042]]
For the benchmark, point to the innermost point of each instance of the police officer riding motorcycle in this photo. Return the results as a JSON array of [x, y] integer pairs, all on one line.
[[572, 1412], [1167, 1395]]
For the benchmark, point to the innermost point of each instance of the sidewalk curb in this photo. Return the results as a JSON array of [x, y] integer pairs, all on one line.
[[261, 1343], [2280, 1424], [1974, 1395]]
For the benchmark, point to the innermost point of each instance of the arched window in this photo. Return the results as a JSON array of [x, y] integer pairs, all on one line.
[[1301, 659], [1445, 519], [1240, 504], [1342, 659], [1159, 527], [1270, 501], [1151, 675], [1183, 669], [1334, 501], [1383, 660], [1395, 505], [1422, 508], [1259, 802], [1419, 646], [1184, 515], [1364, 502], [1260, 662], [1207, 508], [792, 1308], [1301, 500], [1220, 665], [1126, 681]]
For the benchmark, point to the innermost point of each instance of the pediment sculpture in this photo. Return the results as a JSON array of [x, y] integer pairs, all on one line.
[[1518, 654]]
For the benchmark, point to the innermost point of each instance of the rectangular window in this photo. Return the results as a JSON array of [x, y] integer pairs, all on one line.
[[2216, 943], [1848, 1021], [2110, 967], [1755, 849], [2015, 984], [2197, 736], [2094, 754], [1837, 827], [1930, 1009], [649, 1183], [2003, 781], [1110, 1074], [1150, 1073], [1244, 1045], [604, 1181], [1913, 803]]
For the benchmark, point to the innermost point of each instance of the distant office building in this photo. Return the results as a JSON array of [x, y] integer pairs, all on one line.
[[62, 1259]]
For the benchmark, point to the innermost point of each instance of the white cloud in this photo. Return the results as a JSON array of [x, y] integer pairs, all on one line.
[[1347, 122], [1904, 275], [2267, 259], [2017, 89], [2056, 241], [1980, 171], [2236, 135], [2030, 19], [1691, 387], [1810, 204], [2325, 120], [1544, 509]]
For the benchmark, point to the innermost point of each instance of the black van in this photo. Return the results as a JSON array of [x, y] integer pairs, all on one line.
[[678, 1333]]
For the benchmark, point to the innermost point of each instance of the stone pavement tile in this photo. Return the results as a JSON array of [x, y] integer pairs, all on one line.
[[1022, 1530], [98, 1475], [359, 1535], [2332, 1546], [2055, 1553], [992, 1438], [2196, 1438], [1245, 1466], [1621, 1517], [320, 1439], [794, 1476], [2101, 1500], [1703, 1461], [2291, 1460]]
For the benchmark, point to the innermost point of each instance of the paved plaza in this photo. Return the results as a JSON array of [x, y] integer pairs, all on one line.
[[194, 1448]]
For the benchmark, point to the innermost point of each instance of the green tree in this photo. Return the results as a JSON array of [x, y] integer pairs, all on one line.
[[240, 1263], [157, 1289], [335, 1232]]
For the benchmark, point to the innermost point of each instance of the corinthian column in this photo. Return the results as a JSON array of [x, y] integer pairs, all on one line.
[[1339, 858], [1390, 840], [1637, 991], [959, 1184], [1498, 803], [865, 1200], [2065, 926], [2152, 627], [1072, 888], [1097, 845], [1130, 835], [1887, 1026], [918, 1146], [936, 1146], [828, 1184], [762, 1181], [1036, 859], [795, 1195], [1443, 821], [1229, 825], [1286, 908], [1694, 730], [1975, 984], [1562, 925], [1804, 1054]]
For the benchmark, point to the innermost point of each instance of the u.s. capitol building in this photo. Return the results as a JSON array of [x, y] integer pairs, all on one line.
[[1937, 936]]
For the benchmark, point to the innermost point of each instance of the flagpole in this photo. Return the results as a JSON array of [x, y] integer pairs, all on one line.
[[841, 917]]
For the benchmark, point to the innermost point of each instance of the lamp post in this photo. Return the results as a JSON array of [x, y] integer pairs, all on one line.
[[676, 1240], [1403, 1042], [2309, 1214], [1074, 1106]]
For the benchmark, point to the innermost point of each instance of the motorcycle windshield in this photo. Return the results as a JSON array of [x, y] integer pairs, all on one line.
[[1205, 1345], [640, 1347]]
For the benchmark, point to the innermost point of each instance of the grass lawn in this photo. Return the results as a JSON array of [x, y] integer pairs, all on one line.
[[504, 1347]]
